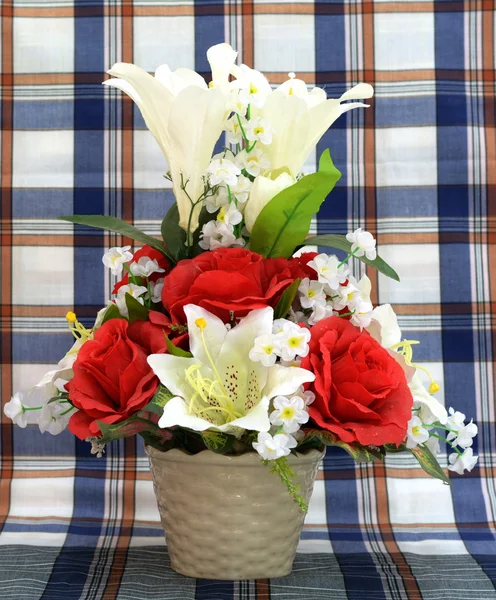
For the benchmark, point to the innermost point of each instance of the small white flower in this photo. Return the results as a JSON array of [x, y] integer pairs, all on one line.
[[363, 242], [233, 130], [216, 234], [229, 215], [362, 315], [297, 316], [265, 350], [54, 417], [464, 436], [311, 293], [14, 410], [218, 200], [320, 311], [460, 462], [293, 341], [222, 170], [253, 86], [136, 291], [290, 413], [456, 420], [254, 162], [296, 362], [272, 447], [417, 434], [156, 289], [237, 102], [242, 189], [115, 257], [145, 267], [259, 130], [329, 271], [433, 445], [308, 397], [345, 295]]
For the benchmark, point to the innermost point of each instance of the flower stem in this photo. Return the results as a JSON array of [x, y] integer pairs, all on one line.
[[350, 255], [131, 276], [440, 437]]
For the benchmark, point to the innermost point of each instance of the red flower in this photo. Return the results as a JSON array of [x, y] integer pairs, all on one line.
[[228, 280], [361, 392], [151, 334], [112, 379], [153, 255]]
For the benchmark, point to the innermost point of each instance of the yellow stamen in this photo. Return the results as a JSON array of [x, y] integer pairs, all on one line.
[[290, 93], [211, 84], [222, 214], [405, 349], [71, 317], [253, 89], [311, 293], [294, 342], [434, 387], [288, 413], [416, 430], [201, 323], [258, 130], [268, 349]]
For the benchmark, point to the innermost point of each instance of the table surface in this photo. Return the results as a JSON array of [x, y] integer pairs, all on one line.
[[144, 573]]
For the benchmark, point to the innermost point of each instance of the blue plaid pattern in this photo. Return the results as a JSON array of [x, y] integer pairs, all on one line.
[[419, 171]]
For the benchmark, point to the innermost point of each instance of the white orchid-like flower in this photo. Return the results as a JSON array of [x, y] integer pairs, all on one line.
[[14, 410], [136, 291], [145, 267], [217, 234], [290, 413], [262, 192], [362, 243], [222, 170], [417, 434], [461, 462], [185, 117], [254, 162], [219, 387], [299, 121], [273, 447], [330, 271]]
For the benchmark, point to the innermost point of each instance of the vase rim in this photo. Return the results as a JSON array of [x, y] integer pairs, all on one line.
[[247, 459]]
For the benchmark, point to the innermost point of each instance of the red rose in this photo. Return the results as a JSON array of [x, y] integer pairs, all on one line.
[[361, 392], [152, 255], [151, 334], [228, 280], [112, 379]]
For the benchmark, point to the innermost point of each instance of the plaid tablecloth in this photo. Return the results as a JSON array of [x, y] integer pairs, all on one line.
[[419, 171]]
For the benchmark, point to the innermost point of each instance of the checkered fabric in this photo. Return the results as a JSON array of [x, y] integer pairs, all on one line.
[[419, 171]]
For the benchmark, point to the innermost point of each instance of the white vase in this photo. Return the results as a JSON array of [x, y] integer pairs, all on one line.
[[228, 517]]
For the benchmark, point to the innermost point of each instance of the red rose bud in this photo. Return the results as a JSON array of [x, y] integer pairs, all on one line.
[[361, 392]]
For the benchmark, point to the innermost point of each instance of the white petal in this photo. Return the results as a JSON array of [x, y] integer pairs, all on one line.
[[170, 370], [221, 58], [384, 327], [351, 105], [176, 413], [214, 333], [283, 381], [256, 419], [359, 92], [421, 395]]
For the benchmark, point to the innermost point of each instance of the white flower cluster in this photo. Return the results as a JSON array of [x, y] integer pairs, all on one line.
[[421, 430], [45, 404], [287, 416], [334, 291], [118, 259], [288, 341]]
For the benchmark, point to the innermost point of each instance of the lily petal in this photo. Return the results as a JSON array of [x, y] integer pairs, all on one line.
[[283, 381], [176, 413], [214, 333], [170, 370], [256, 419]]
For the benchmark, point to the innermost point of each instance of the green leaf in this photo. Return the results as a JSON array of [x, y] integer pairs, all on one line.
[[112, 312], [218, 442], [284, 222], [117, 226], [137, 423], [175, 350], [428, 462], [137, 312], [340, 242], [159, 400], [157, 440], [356, 451], [286, 300], [174, 236]]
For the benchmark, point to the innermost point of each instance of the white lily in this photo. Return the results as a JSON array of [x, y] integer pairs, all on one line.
[[384, 328], [185, 117], [221, 58], [219, 387], [262, 192], [298, 123]]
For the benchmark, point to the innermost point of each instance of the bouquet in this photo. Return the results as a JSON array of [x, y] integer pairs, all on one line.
[[230, 334]]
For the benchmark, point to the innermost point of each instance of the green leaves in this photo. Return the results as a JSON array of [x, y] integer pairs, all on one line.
[[285, 221], [218, 442], [137, 312], [174, 236], [286, 300], [175, 350], [159, 400], [428, 462], [117, 226], [340, 242], [356, 451], [112, 312]]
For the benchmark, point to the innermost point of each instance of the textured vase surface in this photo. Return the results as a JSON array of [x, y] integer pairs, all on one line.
[[228, 517]]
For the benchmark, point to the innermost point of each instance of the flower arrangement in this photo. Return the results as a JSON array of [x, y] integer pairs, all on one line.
[[229, 334]]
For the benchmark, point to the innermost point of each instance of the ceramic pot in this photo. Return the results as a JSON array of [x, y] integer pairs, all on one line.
[[228, 517]]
